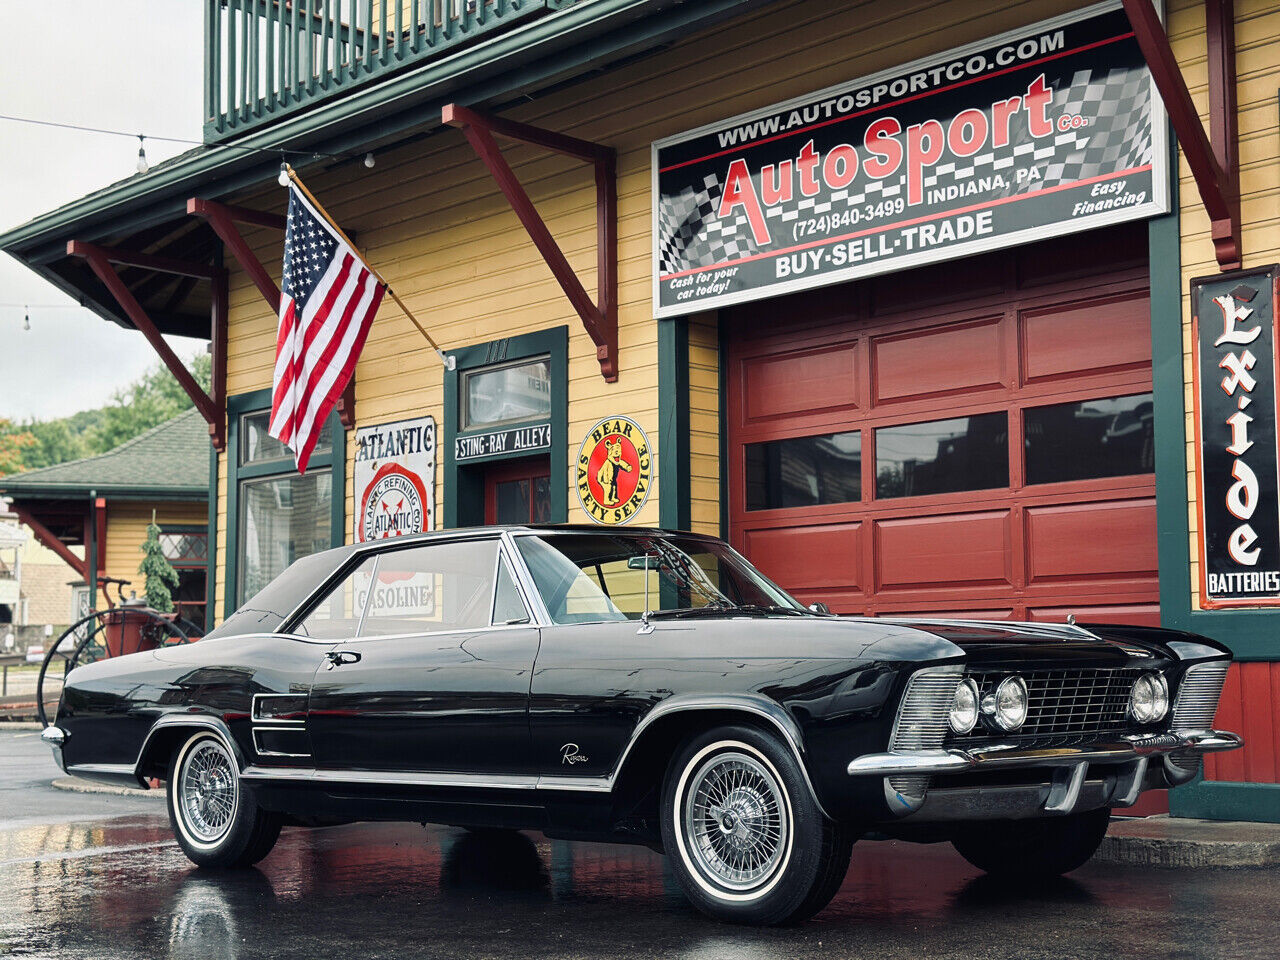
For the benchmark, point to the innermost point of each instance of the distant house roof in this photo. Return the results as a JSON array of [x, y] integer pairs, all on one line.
[[169, 461]]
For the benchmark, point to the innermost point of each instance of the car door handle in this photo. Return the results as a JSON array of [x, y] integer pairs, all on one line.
[[336, 658]]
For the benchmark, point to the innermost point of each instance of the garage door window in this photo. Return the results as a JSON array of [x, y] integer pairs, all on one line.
[[804, 471], [1109, 437], [943, 456]]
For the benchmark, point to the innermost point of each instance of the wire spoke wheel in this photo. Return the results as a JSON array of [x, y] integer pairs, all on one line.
[[208, 791], [735, 821]]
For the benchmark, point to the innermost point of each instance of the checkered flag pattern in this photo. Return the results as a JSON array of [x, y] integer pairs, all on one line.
[[1116, 102]]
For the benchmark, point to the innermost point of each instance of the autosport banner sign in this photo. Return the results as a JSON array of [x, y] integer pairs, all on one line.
[[1048, 130], [1234, 325]]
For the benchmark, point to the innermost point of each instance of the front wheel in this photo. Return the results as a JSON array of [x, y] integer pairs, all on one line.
[[214, 821], [1034, 849], [747, 840]]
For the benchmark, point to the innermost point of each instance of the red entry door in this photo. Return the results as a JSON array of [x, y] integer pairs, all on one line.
[[518, 491], [973, 439]]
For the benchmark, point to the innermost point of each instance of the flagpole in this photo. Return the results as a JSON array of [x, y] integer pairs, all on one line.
[[449, 362]]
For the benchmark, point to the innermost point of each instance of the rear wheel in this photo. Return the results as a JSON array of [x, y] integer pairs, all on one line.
[[214, 820], [747, 841], [1034, 849]]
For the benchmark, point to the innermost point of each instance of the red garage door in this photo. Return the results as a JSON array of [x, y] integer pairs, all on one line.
[[973, 440]]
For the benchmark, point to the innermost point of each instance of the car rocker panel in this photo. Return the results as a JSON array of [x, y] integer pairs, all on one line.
[[644, 687]]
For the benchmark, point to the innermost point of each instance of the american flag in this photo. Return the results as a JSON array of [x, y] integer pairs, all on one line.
[[328, 296]]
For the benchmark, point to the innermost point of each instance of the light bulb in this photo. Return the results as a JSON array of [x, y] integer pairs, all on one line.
[[142, 165], [368, 160], [283, 179]]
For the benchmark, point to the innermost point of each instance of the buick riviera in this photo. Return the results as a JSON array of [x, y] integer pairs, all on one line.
[[644, 687]]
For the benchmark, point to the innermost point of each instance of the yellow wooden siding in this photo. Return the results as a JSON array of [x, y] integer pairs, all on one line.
[[1257, 78], [431, 219], [127, 530]]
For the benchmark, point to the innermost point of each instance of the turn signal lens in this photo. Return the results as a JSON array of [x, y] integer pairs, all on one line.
[[964, 708], [1149, 698], [1007, 707]]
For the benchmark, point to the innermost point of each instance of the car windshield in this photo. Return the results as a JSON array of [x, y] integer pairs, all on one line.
[[587, 577]]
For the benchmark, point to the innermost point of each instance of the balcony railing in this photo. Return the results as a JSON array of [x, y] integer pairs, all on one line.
[[265, 59]]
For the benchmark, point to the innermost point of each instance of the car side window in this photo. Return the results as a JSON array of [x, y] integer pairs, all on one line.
[[508, 607], [432, 587], [337, 616]]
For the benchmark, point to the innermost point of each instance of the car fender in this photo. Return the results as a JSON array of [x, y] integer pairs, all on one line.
[[159, 737]]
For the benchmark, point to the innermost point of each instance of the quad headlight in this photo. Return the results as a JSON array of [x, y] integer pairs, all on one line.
[[964, 708], [1149, 698], [1007, 706]]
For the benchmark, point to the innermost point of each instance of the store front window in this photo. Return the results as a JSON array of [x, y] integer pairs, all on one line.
[[276, 515]]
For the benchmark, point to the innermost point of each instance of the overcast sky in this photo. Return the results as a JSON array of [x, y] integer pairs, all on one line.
[[133, 65]]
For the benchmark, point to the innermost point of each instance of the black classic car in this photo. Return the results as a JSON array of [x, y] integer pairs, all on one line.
[[647, 687]]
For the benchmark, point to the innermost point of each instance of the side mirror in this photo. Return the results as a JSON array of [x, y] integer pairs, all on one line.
[[821, 608], [644, 563]]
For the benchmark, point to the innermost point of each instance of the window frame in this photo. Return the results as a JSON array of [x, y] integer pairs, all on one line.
[[465, 426], [184, 529], [334, 460], [362, 552]]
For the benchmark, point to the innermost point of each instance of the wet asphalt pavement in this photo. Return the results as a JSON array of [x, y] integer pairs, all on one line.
[[92, 876]]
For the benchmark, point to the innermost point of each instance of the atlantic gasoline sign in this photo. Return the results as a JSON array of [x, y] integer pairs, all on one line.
[[1234, 337], [1053, 129], [395, 478], [614, 471]]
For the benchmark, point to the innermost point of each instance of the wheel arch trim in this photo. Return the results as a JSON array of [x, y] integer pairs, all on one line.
[[194, 722], [758, 706]]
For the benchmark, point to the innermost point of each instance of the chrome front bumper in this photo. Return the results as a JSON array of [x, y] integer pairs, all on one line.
[[1009, 755]]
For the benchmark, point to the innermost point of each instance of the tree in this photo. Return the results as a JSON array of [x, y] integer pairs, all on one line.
[[161, 578], [146, 403], [15, 443]]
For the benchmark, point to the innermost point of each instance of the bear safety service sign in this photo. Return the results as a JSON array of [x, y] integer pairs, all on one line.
[[1051, 129]]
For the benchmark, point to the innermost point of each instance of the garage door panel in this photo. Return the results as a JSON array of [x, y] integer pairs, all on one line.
[[952, 614], [953, 359], [803, 381], [1141, 614], [787, 555], [1091, 541], [944, 552], [1086, 338]]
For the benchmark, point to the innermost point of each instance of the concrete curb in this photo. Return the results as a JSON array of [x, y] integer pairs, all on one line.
[[21, 725], [1179, 842], [77, 785]]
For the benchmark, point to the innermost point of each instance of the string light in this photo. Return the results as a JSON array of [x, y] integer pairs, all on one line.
[[283, 179], [143, 165]]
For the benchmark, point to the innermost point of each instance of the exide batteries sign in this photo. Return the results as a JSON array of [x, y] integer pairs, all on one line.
[[1234, 338], [1048, 130]]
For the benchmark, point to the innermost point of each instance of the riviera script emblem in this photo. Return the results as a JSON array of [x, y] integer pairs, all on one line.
[[569, 754]]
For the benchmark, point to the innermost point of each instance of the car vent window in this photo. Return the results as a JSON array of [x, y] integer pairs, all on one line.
[[507, 605], [337, 616], [433, 587]]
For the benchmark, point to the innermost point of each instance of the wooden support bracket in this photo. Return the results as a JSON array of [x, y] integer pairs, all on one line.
[[600, 318], [1213, 163], [46, 538], [223, 217], [100, 260]]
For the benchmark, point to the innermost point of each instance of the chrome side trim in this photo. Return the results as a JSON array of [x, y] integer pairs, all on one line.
[[257, 717], [390, 778], [189, 720], [122, 770], [262, 752]]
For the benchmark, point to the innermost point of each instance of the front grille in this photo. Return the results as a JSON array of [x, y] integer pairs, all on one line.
[[922, 720], [1073, 702], [1196, 704]]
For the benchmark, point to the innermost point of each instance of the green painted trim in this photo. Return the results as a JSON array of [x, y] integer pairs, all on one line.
[[1223, 800], [674, 506], [1251, 634], [211, 575], [63, 492], [336, 460], [464, 484]]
